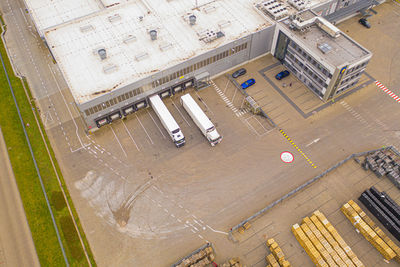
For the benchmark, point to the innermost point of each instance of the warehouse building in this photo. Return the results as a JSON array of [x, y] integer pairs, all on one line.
[[114, 54], [319, 54]]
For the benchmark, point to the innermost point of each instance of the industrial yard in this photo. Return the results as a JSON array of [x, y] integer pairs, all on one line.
[[144, 202]]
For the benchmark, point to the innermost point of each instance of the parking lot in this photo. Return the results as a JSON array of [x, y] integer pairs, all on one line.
[[143, 202]]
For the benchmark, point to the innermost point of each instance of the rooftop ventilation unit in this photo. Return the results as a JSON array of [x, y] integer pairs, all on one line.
[[224, 23], [209, 9], [102, 53], [325, 48], [298, 4], [210, 35], [192, 19], [130, 39], [86, 28], [141, 56], [165, 46], [109, 68], [274, 9], [328, 27], [153, 34], [114, 18]]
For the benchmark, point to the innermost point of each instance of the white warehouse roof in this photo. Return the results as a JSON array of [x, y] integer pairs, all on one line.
[[131, 54], [76, 29], [48, 13]]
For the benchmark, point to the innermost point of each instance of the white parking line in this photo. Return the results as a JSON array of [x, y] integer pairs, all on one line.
[[226, 85], [261, 124], [180, 113], [241, 106], [250, 126], [144, 129], [129, 133], [155, 123], [118, 140], [234, 94]]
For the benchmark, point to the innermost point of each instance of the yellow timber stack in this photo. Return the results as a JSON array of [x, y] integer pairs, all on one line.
[[370, 231], [323, 243], [277, 258]]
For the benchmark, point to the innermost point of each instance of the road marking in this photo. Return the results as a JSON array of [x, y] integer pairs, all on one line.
[[129, 133], [261, 124], [252, 128], [226, 85], [144, 129], [234, 94], [356, 115], [387, 91], [155, 123], [287, 157], [216, 231], [297, 148], [180, 113], [312, 142], [69, 111], [118, 140], [23, 15], [238, 112]]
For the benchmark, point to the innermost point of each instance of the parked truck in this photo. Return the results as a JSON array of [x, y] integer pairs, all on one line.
[[206, 127], [167, 120]]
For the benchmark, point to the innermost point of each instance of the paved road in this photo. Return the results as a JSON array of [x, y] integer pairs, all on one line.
[[16, 244]]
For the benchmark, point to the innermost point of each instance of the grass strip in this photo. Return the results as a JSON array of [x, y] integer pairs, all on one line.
[[38, 216]]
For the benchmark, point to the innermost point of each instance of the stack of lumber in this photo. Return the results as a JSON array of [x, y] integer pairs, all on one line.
[[323, 243], [234, 262], [276, 258], [200, 259], [371, 231]]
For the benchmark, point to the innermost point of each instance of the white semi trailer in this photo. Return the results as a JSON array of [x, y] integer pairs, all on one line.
[[167, 120], [206, 127]]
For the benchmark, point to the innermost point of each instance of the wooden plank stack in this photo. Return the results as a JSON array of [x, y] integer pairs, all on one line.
[[323, 243], [371, 231], [234, 262], [200, 259], [277, 257]]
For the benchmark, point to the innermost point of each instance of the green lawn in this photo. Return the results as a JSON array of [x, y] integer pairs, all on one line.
[[38, 215]]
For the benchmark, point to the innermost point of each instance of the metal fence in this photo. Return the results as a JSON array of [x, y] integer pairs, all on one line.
[[316, 178]]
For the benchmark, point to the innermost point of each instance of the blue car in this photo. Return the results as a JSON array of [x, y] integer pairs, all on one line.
[[282, 74], [248, 83]]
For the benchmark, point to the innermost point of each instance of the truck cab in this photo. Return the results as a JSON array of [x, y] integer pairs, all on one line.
[[213, 136], [178, 137]]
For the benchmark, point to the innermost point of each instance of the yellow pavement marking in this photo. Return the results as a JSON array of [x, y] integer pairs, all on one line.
[[298, 149]]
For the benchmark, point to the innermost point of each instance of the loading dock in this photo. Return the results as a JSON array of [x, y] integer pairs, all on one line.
[[165, 94]]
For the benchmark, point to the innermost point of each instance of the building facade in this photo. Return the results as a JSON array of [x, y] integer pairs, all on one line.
[[194, 72], [321, 56]]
